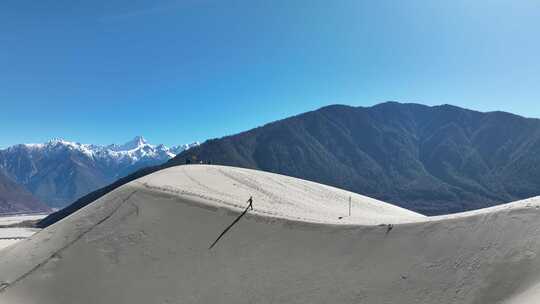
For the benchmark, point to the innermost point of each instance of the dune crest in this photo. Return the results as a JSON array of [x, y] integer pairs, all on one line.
[[148, 242]]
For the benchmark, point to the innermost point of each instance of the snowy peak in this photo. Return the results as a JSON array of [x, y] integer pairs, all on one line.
[[133, 151], [135, 143], [181, 148]]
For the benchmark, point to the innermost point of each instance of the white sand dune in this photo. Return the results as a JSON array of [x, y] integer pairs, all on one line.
[[148, 242], [10, 236]]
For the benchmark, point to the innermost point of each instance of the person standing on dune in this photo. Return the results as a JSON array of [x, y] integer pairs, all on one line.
[[250, 201]]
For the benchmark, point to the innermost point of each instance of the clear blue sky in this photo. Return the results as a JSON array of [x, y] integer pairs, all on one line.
[[178, 71]]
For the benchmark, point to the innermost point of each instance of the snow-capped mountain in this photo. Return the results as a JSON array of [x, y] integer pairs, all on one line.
[[59, 171]]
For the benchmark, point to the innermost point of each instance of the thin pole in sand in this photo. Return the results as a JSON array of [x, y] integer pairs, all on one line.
[[350, 206], [250, 206]]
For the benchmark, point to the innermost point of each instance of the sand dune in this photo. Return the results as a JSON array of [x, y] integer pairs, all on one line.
[[148, 242]]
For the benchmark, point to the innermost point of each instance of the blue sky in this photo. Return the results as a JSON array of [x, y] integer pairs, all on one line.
[[179, 71]]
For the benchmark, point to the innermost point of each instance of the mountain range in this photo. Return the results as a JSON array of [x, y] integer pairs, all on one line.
[[429, 159], [59, 172]]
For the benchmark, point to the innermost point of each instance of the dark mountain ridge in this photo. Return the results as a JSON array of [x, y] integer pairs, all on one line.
[[432, 160]]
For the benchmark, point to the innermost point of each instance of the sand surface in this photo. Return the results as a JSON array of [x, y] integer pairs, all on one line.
[[10, 236], [15, 219], [148, 242]]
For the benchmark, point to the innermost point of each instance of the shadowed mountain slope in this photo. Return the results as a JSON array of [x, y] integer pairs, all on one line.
[[14, 198]]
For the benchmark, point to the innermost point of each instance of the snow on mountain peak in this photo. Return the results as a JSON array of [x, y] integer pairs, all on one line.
[[133, 151], [181, 148], [133, 144], [64, 170]]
